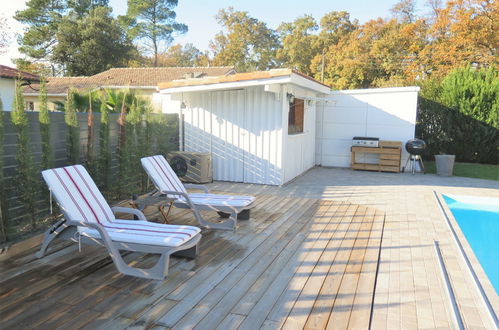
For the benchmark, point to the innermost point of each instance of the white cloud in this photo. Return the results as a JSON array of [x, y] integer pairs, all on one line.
[[8, 9]]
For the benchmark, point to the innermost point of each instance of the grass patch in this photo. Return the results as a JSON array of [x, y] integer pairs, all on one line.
[[469, 170]]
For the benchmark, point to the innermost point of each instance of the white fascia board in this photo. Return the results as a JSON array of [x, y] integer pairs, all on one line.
[[377, 90], [128, 87], [309, 84], [227, 85]]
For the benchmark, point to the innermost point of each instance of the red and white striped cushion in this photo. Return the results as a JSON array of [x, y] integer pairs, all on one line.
[[77, 194], [145, 232], [220, 200], [81, 200], [162, 175]]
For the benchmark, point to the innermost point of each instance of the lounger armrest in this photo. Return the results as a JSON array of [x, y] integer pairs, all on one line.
[[175, 193], [103, 233], [196, 186], [129, 210], [114, 253], [180, 194]]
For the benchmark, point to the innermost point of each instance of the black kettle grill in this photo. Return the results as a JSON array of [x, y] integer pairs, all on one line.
[[415, 147]]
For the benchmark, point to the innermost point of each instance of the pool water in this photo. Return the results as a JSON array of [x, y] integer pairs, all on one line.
[[479, 222]]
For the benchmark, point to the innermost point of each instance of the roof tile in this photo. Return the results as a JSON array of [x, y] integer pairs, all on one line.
[[129, 77]]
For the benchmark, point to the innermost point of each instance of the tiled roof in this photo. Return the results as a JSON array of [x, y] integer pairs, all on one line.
[[256, 75], [8, 72], [59, 85], [153, 76], [132, 77]]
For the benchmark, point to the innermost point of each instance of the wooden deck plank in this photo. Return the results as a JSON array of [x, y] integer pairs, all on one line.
[[324, 251], [343, 304], [364, 294], [277, 289], [209, 256], [321, 308], [270, 260], [293, 265], [286, 302], [261, 244]]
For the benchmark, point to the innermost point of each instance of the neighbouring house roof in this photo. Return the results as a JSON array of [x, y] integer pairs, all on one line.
[[244, 79], [11, 73], [146, 78], [153, 76]]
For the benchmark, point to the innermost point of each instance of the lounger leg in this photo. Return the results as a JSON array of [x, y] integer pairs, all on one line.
[[189, 253], [50, 235], [158, 272], [229, 224]]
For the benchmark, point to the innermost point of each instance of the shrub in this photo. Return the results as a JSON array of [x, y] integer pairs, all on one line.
[[25, 177], [3, 206], [73, 139], [44, 119], [460, 114]]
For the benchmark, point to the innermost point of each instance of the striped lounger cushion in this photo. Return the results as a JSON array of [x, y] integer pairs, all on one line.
[[81, 200], [221, 200], [165, 179]]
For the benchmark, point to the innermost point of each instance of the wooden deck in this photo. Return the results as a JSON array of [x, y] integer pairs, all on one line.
[[297, 263]]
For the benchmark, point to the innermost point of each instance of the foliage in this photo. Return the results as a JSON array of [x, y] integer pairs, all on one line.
[[3, 204], [154, 22], [299, 44], [73, 134], [41, 69], [375, 54], [459, 115], [25, 177], [44, 119], [147, 134], [245, 43], [474, 93], [405, 11], [42, 18], [4, 35], [74, 37], [116, 100], [463, 33], [104, 158], [179, 55], [91, 44]]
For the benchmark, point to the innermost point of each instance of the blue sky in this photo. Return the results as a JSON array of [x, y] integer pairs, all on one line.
[[199, 15]]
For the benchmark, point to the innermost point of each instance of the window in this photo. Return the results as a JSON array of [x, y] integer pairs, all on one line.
[[30, 106], [296, 114]]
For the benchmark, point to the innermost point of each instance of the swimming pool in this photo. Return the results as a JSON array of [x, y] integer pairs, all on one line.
[[478, 219]]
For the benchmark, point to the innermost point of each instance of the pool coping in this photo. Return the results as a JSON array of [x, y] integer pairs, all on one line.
[[480, 278]]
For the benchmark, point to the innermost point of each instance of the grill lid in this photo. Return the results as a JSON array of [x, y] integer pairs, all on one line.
[[415, 146]]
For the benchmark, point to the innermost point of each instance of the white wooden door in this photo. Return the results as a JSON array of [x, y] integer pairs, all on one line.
[[227, 135]]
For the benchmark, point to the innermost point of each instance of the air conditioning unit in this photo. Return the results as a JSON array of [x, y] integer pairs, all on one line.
[[193, 167]]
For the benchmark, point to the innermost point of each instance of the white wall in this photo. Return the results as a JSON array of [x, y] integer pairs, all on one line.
[[387, 113], [299, 149], [7, 92], [241, 128]]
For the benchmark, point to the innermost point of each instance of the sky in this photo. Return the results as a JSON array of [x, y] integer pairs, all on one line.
[[199, 15]]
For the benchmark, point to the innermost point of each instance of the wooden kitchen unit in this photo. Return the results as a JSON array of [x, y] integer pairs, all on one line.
[[389, 157]]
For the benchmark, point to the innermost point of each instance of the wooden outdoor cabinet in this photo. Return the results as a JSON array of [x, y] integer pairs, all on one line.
[[389, 157]]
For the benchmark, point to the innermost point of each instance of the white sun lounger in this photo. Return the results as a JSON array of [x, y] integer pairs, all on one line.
[[167, 183], [88, 219]]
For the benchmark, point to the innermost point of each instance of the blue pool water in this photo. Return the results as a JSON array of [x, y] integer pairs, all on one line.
[[479, 222]]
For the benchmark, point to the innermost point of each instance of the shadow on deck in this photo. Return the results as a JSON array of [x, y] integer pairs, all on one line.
[[296, 263]]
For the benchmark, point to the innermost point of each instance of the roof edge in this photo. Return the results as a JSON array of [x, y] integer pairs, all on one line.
[[238, 77]]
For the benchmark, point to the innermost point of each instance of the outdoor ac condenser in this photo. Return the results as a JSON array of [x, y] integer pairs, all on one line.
[[193, 167]]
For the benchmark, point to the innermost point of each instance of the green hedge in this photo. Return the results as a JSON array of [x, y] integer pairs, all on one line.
[[113, 158], [460, 116]]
